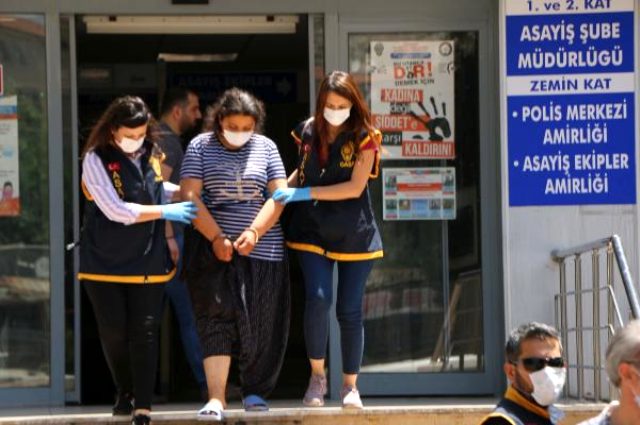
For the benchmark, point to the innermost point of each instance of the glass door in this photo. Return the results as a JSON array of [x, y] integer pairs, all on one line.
[[425, 306], [28, 345]]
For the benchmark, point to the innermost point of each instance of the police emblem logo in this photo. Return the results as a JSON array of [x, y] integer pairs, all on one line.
[[347, 152]]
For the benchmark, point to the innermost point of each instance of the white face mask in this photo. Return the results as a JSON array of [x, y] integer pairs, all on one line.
[[237, 139], [336, 117], [547, 384], [130, 145]]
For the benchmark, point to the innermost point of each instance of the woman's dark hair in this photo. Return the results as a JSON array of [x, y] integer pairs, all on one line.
[[342, 84], [125, 111], [234, 101]]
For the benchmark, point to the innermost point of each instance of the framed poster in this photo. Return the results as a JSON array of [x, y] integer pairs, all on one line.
[[412, 103], [9, 160], [419, 193]]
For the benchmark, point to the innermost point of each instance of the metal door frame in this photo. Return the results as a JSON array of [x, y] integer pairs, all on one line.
[[54, 393], [450, 383], [74, 395]]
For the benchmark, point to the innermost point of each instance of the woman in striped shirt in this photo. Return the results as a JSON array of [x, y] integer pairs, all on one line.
[[235, 263]]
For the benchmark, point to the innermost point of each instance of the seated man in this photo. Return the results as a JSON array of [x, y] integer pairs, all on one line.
[[536, 372], [623, 369]]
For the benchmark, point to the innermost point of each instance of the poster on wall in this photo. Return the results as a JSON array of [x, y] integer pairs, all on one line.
[[570, 102], [412, 98], [419, 193], [9, 164]]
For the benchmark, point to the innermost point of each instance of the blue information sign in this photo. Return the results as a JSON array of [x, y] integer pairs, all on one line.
[[570, 104]]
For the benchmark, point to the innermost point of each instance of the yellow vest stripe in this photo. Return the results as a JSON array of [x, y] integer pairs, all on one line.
[[295, 136], [340, 256], [111, 278], [513, 395], [497, 415], [376, 164]]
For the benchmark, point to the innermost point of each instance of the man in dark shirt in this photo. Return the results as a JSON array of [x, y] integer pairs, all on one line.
[[179, 113], [536, 371]]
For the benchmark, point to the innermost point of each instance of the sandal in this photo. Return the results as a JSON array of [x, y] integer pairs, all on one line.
[[255, 403], [212, 411]]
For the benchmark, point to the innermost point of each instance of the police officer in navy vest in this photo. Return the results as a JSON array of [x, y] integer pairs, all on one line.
[[332, 222], [124, 260]]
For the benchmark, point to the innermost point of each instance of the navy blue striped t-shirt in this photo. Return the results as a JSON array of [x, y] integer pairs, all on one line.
[[234, 185]]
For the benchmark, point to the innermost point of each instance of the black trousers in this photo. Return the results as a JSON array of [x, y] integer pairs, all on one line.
[[128, 317]]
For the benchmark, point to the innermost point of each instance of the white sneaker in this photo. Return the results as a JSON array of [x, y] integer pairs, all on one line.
[[350, 398]]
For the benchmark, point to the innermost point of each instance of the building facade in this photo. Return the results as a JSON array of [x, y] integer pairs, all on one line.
[[463, 263]]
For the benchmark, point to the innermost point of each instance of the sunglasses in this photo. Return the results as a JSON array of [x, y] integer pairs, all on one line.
[[534, 364]]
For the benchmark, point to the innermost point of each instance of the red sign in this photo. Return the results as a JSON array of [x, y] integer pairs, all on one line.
[[401, 95], [427, 149], [419, 187], [386, 122]]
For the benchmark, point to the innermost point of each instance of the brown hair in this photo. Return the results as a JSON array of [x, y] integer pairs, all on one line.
[[342, 84], [234, 101], [125, 111]]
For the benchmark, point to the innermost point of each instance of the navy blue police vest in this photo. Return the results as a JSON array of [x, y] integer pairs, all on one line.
[[135, 253], [343, 230], [515, 409]]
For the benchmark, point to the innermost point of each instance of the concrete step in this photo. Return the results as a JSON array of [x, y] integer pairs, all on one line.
[[378, 412]]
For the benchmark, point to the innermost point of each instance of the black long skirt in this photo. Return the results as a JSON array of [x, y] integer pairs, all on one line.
[[242, 309]]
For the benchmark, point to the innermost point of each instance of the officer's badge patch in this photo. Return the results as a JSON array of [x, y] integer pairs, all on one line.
[[155, 165], [347, 152]]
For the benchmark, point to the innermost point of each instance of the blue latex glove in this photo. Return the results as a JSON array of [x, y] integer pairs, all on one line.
[[183, 212], [292, 194]]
